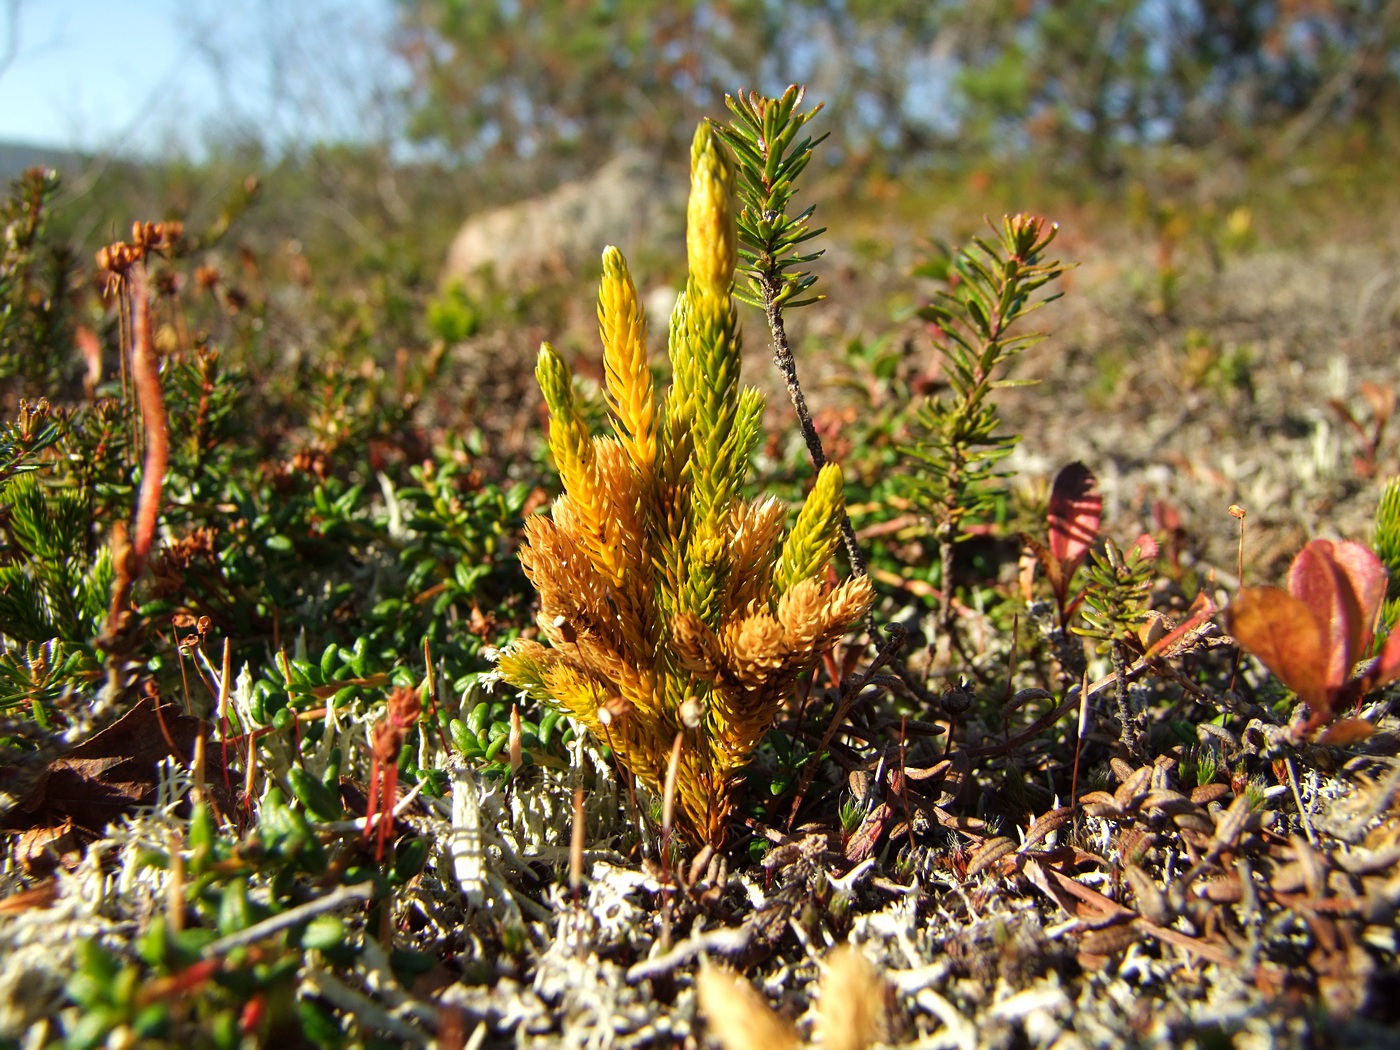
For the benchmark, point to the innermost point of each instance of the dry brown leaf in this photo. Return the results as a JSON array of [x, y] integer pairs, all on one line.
[[105, 777], [40, 896], [1208, 793], [1120, 768], [1110, 940], [1232, 823], [862, 843], [1151, 901], [1045, 824], [1226, 889], [988, 854]]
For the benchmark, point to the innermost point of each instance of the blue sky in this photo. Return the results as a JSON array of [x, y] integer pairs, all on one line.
[[149, 76]]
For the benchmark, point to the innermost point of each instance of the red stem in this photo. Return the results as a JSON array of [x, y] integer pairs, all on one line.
[[145, 373]]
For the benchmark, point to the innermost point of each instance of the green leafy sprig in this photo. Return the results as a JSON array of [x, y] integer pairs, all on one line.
[[987, 290], [769, 158], [1387, 546], [763, 136], [1117, 600]]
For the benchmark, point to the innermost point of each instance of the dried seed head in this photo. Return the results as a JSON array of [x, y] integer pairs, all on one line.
[[955, 699], [850, 1002], [737, 1015], [116, 258], [692, 712], [615, 709]]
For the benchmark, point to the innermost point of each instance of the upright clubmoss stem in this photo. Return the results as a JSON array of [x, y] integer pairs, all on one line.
[[1129, 725], [946, 613], [782, 357]]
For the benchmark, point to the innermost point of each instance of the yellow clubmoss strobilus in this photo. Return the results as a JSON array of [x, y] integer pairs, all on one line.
[[669, 604]]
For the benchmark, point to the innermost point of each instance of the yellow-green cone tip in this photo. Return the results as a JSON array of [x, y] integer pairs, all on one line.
[[711, 239]]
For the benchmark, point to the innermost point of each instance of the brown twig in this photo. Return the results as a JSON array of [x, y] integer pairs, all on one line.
[[145, 374], [849, 694], [772, 287], [1072, 699]]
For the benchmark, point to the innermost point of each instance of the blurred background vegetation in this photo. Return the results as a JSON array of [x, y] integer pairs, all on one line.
[[450, 106]]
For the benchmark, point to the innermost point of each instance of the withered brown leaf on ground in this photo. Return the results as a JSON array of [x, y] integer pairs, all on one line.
[[41, 849], [107, 776], [40, 896]]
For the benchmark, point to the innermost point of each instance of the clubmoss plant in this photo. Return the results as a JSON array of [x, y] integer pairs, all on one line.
[[986, 290], [1386, 542], [668, 604], [1117, 599]]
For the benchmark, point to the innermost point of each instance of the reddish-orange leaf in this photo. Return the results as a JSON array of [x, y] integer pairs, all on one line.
[[1281, 632], [1075, 509], [1381, 400], [1323, 587], [1146, 546]]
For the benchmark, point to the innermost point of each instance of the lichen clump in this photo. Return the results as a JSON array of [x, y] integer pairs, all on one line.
[[669, 605]]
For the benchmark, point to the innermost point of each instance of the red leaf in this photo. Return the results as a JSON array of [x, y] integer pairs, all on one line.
[[1324, 587], [1367, 577], [1282, 633], [1075, 509], [1146, 547], [862, 843]]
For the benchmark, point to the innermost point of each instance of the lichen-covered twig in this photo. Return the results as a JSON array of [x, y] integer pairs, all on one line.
[[337, 898]]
